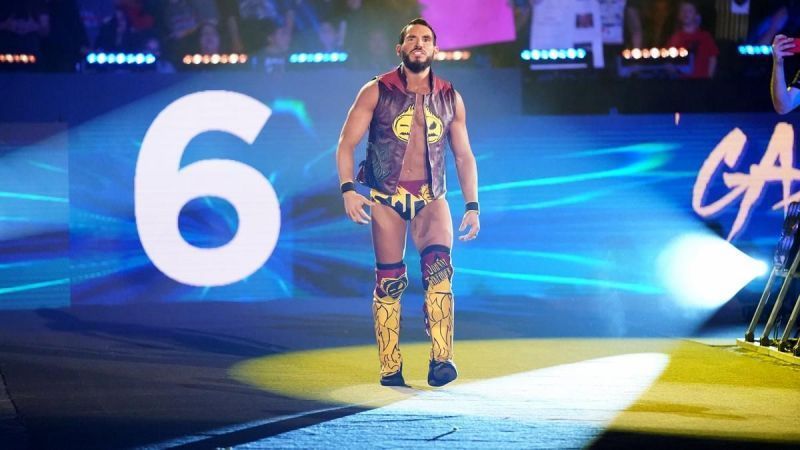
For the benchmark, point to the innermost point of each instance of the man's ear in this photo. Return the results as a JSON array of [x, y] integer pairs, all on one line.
[[397, 49]]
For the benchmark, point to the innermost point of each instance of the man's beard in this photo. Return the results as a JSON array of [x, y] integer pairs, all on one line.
[[413, 66]]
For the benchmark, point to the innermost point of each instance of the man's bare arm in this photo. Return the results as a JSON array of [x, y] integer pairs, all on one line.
[[784, 99], [466, 167], [356, 124]]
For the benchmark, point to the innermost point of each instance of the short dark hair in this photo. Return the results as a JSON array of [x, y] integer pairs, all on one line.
[[417, 21]]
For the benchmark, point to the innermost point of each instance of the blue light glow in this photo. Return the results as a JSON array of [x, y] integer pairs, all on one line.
[[120, 58], [554, 54], [754, 50], [318, 57], [705, 271]]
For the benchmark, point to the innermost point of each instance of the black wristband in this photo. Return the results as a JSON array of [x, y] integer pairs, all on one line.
[[347, 186], [473, 206]]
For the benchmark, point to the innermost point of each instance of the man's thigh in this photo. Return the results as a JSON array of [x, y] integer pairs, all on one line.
[[388, 234], [433, 225]]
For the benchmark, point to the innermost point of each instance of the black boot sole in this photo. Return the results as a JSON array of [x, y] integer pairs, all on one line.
[[441, 374]]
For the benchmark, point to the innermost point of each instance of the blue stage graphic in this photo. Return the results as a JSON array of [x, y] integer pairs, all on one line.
[[571, 206]]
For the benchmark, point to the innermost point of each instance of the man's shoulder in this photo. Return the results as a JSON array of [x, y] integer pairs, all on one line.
[[442, 85], [390, 79]]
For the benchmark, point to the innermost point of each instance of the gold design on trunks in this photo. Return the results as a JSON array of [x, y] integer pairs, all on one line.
[[405, 203], [425, 193]]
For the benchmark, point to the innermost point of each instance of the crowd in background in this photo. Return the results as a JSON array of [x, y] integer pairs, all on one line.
[[62, 32]]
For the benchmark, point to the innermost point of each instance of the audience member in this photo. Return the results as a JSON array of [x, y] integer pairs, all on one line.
[[180, 24], [23, 24], [246, 24], [116, 34], [700, 43], [209, 42]]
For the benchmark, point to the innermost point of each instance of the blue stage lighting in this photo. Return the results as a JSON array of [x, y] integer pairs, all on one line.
[[91, 58], [140, 58], [149, 58], [318, 57], [581, 53]]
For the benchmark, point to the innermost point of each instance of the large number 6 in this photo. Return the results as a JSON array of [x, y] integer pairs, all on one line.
[[162, 188]]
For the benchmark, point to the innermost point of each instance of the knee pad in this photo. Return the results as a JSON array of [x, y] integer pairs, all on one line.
[[436, 266], [390, 281]]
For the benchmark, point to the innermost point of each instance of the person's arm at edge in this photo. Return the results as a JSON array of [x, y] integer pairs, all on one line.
[[784, 99]]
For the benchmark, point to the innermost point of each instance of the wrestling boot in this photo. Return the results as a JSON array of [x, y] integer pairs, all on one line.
[[391, 282], [395, 379], [438, 313], [441, 373]]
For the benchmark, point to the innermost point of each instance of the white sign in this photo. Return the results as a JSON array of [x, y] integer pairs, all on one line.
[[162, 188]]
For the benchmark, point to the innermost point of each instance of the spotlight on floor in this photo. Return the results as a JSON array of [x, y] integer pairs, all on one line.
[[705, 271]]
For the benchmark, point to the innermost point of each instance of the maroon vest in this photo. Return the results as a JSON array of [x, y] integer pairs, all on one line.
[[390, 127]]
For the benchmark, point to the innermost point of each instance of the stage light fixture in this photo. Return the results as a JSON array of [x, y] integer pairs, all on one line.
[[785, 264], [318, 57]]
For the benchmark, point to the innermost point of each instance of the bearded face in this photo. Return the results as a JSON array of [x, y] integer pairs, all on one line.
[[417, 49], [416, 61]]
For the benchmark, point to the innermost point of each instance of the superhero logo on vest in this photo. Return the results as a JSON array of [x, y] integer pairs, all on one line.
[[394, 286], [402, 125]]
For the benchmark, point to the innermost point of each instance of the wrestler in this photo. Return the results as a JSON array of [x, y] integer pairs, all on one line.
[[409, 112]]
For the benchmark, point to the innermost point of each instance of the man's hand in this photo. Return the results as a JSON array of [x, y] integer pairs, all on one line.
[[354, 204], [472, 222], [780, 48]]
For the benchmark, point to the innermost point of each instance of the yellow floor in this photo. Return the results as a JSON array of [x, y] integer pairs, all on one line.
[[722, 392]]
